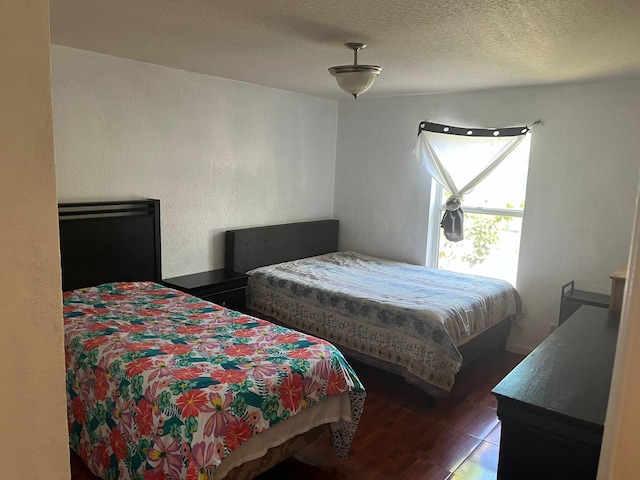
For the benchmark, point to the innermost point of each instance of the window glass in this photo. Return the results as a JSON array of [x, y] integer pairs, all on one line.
[[492, 236], [490, 247]]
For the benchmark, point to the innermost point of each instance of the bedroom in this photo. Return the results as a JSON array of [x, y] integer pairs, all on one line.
[[587, 146]]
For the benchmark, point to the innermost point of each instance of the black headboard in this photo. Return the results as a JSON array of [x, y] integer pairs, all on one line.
[[250, 248], [109, 241]]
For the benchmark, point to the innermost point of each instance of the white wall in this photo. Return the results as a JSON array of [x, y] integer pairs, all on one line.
[[33, 424], [219, 154], [582, 182], [223, 154]]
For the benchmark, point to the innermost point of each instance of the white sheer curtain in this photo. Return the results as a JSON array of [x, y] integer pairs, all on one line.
[[456, 156]]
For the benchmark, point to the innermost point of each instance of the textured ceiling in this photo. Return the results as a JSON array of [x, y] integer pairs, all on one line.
[[423, 46]]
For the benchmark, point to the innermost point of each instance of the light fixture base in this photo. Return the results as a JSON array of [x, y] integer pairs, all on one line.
[[355, 46]]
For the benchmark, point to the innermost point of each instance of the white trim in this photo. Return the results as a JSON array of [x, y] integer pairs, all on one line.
[[433, 228], [506, 212]]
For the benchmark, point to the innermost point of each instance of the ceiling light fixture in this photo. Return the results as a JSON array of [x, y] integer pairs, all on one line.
[[355, 79]]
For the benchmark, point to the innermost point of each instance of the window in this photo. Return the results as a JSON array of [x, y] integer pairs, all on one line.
[[493, 213]]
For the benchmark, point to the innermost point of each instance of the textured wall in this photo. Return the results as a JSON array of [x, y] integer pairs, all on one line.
[[582, 183], [218, 153], [33, 425], [222, 154]]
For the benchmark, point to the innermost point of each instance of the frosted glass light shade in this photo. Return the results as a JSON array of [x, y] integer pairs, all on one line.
[[355, 79]]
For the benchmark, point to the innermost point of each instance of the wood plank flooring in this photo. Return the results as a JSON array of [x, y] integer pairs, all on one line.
[[402, 436]]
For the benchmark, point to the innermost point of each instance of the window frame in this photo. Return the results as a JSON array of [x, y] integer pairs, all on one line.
[[436, 210]]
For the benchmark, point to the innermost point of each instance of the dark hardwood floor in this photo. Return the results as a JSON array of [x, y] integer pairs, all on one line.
[[402, 436]]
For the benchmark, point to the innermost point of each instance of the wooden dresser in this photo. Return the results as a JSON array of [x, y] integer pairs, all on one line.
[[618, 279], [553, 404]]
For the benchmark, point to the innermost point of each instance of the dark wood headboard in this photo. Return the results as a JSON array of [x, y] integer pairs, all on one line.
[[109, 241], [250, 248]]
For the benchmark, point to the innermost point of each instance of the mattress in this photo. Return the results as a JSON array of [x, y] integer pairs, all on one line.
[[161, 384], [408, 317]]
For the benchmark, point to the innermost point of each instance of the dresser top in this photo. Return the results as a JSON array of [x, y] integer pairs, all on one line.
[[569, 374]]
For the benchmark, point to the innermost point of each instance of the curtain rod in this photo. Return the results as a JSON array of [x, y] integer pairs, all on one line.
[[475, 132]]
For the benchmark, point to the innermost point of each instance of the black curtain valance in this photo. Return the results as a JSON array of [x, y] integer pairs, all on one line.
[[473, 132]]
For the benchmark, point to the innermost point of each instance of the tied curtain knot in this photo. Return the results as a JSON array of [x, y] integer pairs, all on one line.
[[452, 222], [454, 202]]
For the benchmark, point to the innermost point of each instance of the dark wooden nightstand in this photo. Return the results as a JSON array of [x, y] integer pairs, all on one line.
[[221, 286]]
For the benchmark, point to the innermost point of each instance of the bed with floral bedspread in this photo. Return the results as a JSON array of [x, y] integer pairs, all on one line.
[[164, 385], [404, 318]]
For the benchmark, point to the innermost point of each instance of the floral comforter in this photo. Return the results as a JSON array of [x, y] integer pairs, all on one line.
[[164, 385], [404, 318]]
